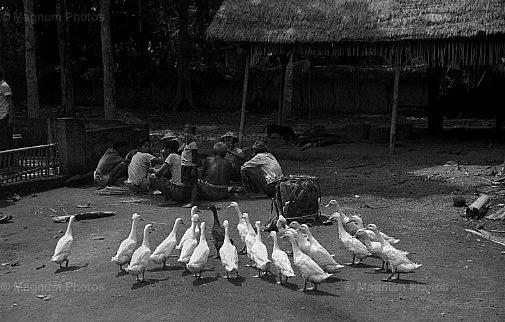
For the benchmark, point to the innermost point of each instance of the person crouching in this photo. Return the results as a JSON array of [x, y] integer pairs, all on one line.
[[261, 174]]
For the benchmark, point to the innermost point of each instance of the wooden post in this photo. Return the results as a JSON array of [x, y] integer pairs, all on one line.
[[392, 136], [288, 91], [284, 63], [311, 92], [244, 99]]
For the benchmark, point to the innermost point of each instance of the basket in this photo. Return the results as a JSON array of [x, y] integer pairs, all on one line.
[[297, 199]]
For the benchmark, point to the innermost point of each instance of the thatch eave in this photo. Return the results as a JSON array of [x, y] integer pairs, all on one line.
[[472, 31]]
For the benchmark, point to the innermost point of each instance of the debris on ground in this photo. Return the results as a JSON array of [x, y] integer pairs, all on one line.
[[88, 205], [113, 190], [84, 215], [497, 215], [487, 235], [5, 218], [478, 208], [459, 201], [44, 297], [132, 200]]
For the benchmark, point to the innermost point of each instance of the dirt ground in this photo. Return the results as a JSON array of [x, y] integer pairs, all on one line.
[[408, 196]]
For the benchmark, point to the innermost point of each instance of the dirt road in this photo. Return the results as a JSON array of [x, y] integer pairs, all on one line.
[[461, 277]]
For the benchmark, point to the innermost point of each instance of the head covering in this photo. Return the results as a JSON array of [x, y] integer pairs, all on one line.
[[260, 146], [169, 136], [229, 134]]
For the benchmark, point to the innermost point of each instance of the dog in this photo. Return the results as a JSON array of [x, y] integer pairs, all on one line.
[[285, 132]]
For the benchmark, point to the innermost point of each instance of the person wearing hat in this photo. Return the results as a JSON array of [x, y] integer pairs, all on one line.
[[169, 136], [261, 174], [234, 154]]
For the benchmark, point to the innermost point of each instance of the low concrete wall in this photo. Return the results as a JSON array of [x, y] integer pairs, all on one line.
[[81, 143]]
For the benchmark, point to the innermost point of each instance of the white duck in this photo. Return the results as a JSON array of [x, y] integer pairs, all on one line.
[[373, 247], [127, 246], [228, 253], [191, 241], [242, 225], [188, 231], [301, 239], [259, 252], [250, 238], [373, 237], [200, 255], [311, 272], [319, 254], [64, 245], [281, 260], [167, 246], [353, 245], [349, 226], [397, 260], [140, 258]]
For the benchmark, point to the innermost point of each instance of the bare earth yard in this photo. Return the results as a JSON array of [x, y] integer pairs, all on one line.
[[408, 196]]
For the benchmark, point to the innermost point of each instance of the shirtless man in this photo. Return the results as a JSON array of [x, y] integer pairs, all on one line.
[[216, 174]]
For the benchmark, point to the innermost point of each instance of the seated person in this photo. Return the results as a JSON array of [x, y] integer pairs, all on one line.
[[235, 155], [169, 136], [261, 174], [172, 188], [112, 165], [216, 174], [139, 166]]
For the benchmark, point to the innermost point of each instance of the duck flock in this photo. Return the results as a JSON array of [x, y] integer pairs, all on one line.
[[309, 257]]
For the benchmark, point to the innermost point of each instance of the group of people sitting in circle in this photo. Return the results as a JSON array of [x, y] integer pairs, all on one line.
[[182, 177]]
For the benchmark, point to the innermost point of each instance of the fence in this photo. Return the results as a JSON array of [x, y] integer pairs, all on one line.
[[29, 163]]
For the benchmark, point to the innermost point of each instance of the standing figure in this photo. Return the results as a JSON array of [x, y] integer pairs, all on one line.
[[189, 163], [6, 108]]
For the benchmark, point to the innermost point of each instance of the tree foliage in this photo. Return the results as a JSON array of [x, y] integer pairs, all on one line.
[[144, 36]]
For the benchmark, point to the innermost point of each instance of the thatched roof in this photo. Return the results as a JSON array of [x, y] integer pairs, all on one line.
[[470, 31]]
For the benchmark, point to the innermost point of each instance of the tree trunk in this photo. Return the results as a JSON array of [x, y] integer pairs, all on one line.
[[183, 78], [109, 81], [67, 84], [31, 63]]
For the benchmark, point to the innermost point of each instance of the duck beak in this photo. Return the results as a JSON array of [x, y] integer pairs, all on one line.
[[142, 219], [182, 223]]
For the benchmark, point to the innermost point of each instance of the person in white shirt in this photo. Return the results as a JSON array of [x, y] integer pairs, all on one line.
[[139, 166], [6, 106], [261, 174], [172, 188]]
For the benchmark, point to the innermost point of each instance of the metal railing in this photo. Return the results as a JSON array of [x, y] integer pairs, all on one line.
[[29, 163]]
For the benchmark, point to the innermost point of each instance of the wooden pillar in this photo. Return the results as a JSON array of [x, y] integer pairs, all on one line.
[[394, 110], [284, 63], [311, 92], [244, 98], [288, 91]]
